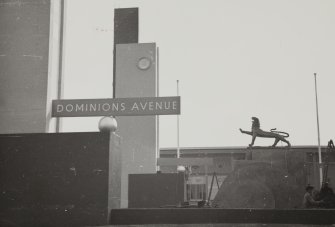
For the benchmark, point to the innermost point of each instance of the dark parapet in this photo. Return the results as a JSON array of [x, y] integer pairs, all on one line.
[[218, 217]]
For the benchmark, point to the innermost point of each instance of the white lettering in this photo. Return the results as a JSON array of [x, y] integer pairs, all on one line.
[[167, 106], [143, 106], [93, 107], [135, 106], [159, 105], [151, 106], [80, 107], [69, 107], [123, 106], [60, 108], [104, 108], [174, 105], [115, 106]]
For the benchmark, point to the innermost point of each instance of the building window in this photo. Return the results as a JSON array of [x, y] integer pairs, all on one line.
[[196, 192]]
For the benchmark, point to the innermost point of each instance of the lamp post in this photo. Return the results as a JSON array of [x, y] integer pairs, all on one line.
[[318, 127], [179, 168], [178, 147]]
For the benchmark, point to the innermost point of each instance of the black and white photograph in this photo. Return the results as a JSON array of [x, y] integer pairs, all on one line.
[[167, 113]]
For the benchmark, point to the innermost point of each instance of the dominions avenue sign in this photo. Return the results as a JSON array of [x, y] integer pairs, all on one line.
[[116, 107]]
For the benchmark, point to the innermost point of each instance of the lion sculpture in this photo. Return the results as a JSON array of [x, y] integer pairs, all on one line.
[[256, 131]]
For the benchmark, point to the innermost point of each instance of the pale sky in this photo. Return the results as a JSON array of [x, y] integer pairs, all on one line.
[[234, 59]]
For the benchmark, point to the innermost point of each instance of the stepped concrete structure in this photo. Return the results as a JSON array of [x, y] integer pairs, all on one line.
[[269, 178]]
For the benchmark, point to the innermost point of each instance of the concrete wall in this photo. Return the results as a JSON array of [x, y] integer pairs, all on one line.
[[24, 49], [221, 217], [156, 190], [269, 178], [138, 133], [62, 179]]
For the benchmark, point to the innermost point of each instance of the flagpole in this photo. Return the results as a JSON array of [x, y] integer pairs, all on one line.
[[61, 59], [178, 147], [180, 168], [158, 154], [318, 126]]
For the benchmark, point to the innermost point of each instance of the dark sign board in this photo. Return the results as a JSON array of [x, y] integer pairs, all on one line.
[[116, 107]]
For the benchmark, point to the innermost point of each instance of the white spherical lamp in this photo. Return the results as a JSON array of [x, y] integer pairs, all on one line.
[[107, 124], [181, 169]]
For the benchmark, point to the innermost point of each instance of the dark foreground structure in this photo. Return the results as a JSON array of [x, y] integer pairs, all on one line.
[[182, 216], [55, 179], [68, 179]]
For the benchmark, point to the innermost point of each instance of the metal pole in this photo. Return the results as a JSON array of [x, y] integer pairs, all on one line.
[[317, 121], [60, 59], [157, 117], [178, 147]]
